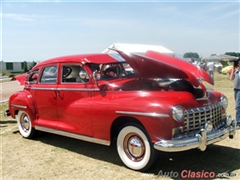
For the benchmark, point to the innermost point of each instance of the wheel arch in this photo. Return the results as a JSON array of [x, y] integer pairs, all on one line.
[[122, 121], [22, 101]]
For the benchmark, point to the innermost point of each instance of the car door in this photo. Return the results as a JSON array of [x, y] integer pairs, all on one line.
[[45, 96], [74, 101]]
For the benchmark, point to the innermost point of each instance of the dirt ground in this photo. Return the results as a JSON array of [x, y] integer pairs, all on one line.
[[53, 157], [7, 88]]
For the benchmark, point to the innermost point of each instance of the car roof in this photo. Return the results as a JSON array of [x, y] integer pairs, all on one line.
[[82, 58], [150, 65]]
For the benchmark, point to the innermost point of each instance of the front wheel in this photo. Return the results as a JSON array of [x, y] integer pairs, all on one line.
[[135, 148], [25, 125]]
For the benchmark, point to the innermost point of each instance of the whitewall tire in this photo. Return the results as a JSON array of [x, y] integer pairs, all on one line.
[[25, 125], [135, 148]]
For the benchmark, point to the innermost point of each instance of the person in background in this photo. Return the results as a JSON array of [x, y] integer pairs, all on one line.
[[203, 65], [194, 62], [210, 66], [235, 75]]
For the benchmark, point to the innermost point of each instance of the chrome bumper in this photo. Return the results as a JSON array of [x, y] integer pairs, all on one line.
[[201, 139], [6, 113]]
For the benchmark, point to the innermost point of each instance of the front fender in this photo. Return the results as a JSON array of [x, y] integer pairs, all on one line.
[[22, 101]]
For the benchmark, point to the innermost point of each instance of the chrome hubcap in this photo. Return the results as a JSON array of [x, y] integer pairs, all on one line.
[[134, 147], [25, 123]]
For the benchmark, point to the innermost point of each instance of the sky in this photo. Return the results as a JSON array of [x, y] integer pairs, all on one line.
[[39, 30]]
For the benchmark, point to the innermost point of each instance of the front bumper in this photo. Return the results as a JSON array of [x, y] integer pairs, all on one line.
[[201, 139], [6, 113]]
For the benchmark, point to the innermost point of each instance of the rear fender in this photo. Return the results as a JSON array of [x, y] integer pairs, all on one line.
[[22, 101]]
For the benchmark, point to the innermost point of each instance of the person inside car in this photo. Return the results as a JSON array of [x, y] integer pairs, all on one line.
[[108, 73]]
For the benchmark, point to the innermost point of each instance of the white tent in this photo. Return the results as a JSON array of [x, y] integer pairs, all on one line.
[[138, 48], [220, 57]]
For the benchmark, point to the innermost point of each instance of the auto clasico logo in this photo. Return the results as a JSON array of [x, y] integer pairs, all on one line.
[[190, 174]]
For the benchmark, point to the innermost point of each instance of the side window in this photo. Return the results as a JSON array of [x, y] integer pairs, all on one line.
[[110, 71], [49, 75], [33, 77], [128, 69], [71, 74]]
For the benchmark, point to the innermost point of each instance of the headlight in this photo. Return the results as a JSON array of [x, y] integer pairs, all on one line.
[[224, 102], [178, 113]]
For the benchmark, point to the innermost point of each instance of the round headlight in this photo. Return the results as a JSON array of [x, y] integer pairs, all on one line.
[[178, 113], [224, 102]]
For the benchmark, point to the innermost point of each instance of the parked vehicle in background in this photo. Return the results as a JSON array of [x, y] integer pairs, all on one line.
[[145, 103]]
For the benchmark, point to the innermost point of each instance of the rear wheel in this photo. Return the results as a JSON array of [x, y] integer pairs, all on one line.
[[25, 125], [135, 148]]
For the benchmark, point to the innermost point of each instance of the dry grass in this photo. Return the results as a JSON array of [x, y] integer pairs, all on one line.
[[53, 157]]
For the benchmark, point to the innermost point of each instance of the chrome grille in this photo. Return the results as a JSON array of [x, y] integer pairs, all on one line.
[[195, 119]]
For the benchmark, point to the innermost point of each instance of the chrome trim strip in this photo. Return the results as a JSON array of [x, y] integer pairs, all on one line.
[[73, 135], [18, 106], [77, 89], [46, 89], [64, 89], [143, 114], [202, 99]]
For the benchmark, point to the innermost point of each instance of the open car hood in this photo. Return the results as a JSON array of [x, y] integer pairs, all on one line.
[[156, 65]]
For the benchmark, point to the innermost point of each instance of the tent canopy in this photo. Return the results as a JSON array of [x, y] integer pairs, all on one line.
[[220, 57], [138, 48]]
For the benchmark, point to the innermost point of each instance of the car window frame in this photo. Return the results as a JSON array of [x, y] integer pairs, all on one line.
[[54, 76], [78, 79], [31, 74]]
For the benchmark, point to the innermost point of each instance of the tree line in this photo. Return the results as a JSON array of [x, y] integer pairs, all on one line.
[[26, 68]]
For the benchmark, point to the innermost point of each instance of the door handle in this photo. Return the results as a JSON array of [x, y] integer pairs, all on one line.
[[55, 94], [59, 95]]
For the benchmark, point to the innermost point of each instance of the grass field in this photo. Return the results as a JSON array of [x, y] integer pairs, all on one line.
[[52, 157]]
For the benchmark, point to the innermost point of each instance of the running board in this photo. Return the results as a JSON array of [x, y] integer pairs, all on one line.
[[73, 135]]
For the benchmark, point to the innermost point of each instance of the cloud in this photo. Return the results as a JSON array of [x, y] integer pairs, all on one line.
[[107, 22], [26, 17], [18, 17], [226, 15], [229, 14], [222, 6]]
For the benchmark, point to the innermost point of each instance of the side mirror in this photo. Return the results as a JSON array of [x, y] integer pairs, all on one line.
[[83, 74]]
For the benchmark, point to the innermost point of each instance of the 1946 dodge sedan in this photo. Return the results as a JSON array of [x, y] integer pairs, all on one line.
[[144, 103]]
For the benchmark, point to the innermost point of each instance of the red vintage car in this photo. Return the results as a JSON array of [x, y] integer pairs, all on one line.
[[144, 103]]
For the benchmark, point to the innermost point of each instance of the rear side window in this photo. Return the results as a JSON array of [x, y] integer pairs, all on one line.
[[71, 73], [49, 75]]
